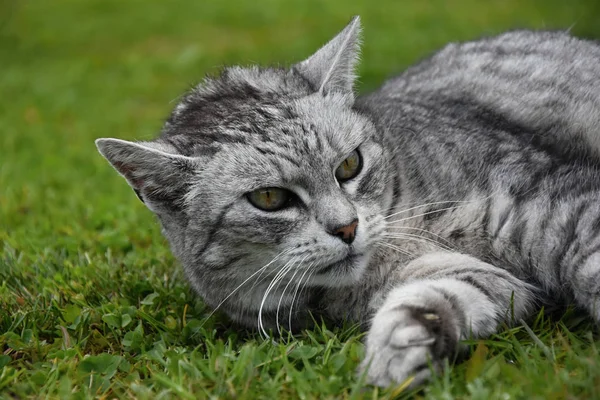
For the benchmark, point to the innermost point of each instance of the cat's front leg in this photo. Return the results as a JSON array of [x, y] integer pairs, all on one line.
[[444, 298]]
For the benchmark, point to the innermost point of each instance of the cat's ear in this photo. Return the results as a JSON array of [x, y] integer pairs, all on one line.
[[331, 68], [159, 178]]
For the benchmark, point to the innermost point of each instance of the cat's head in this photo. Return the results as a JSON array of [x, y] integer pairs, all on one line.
[[266, 175]]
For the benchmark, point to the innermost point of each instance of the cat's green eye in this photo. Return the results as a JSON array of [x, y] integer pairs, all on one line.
[[349, 168], [270, 199]]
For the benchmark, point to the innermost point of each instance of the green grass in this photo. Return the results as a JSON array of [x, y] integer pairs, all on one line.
[[92, 304]]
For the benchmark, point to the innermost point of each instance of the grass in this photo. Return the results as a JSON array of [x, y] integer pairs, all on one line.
[[92, 304]]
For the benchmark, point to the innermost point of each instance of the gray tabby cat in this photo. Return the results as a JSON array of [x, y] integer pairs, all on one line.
[[455, 198]]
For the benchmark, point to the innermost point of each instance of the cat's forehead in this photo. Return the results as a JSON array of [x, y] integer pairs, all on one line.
[[314, 124], [272, 143], [302, 139], [310, 124], [265, 135]]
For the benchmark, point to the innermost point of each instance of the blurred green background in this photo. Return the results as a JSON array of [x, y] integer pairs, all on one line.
[[77, 245]]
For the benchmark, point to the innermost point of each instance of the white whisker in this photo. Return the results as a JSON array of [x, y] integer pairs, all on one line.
[[284, 270], [396, 248], [295, 293], [423, 214], [418, 238], [426, 205], [386, 251], [260, 270], [448, 243], [260, 280], [283, 293]]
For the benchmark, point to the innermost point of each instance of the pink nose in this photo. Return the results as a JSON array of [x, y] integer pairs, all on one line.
[[346, 233]]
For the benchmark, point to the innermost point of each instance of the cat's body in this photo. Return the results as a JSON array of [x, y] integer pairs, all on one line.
[[507, 160], [477, 193]]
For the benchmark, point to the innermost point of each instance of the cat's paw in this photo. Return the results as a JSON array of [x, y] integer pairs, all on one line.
[[406, 342]]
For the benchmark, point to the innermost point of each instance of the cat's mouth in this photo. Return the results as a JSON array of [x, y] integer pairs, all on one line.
[[348, 263]]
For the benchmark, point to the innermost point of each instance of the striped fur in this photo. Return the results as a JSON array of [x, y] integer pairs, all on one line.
[[478, 198]]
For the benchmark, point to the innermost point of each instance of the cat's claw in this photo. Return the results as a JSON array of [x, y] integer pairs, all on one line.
[[407, 344]]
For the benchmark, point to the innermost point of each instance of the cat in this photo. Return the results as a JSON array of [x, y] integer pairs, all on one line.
[[455, 198]]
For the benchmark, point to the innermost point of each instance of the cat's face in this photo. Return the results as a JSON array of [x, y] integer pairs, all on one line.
[[266, 181], [275, 198]]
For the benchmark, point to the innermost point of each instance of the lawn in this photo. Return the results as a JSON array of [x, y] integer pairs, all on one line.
[[92, 304]]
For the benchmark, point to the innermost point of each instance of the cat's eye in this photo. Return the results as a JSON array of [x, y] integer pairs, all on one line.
[[270, 199], [349, 168]]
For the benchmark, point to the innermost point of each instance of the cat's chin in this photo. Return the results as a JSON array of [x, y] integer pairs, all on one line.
[[345, 272]]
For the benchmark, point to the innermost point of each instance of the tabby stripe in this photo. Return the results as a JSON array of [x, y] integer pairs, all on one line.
[[364, 186], [595, 227], [290, 158], [549, 213], [452, 299], [582, 260], [319, 141], [517, 236], [571, 238], [452, 273], [485, 222], [502, 222], [477, 285], [213, 230]]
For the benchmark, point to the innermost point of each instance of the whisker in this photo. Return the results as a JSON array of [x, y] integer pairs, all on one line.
[[423, 214], [491, 195], [284, 270], [260, 280], [449, 244], [386, 251], [408, 236], [283, 293], [273, 282], [244, 282], [296, 292], [426, 205], [375, 234], [396, 248], [265, 294]]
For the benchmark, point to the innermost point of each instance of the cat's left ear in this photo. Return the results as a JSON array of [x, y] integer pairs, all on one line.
[[331, 68], [159, 177]]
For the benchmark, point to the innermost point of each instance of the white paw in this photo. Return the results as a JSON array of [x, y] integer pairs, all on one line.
[[406, 343]]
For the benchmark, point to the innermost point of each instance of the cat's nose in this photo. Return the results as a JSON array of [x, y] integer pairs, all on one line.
[[347, 233]]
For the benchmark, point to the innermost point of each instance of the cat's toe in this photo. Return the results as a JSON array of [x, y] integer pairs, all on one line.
[[410, 336], [410, 363]]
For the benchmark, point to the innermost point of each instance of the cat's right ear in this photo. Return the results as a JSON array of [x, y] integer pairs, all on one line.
[[159, 178], [331, 68]]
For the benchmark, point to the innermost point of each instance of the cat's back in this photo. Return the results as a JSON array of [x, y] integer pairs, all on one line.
[[544, 83], [530, 57]]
